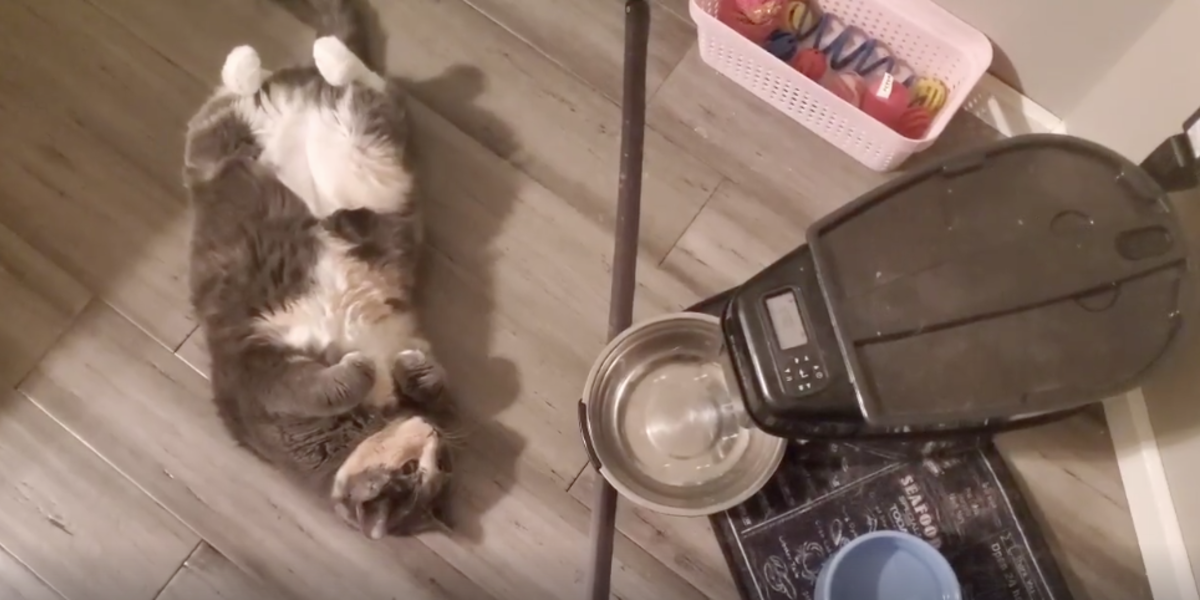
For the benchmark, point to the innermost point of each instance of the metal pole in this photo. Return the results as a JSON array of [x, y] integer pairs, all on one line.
[[624, 269]]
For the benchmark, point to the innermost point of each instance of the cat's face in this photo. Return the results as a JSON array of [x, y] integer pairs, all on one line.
[[393, 482]]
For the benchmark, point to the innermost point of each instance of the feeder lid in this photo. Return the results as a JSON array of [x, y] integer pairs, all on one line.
[[1038, 274]]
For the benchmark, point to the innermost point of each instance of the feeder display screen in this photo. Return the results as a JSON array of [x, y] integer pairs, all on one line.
[[786, 321]]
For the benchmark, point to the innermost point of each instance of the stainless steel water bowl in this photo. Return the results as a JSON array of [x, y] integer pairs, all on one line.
[[667, 430]]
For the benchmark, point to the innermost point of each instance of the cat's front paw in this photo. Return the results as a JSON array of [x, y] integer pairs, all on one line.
[[418, 376], [354, 377], [242, 73]]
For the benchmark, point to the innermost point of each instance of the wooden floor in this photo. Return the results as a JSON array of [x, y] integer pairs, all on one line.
[[117, 479]]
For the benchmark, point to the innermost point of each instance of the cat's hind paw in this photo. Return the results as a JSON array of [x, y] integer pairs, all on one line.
[[351, 380], [336, 63], [242, 73], [339, 66]]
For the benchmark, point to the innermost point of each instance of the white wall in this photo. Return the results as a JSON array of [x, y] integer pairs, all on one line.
[[1149, 91], [1056, 50]]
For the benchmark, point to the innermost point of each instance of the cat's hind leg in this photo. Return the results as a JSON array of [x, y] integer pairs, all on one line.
[[339, 66], [242, 72]]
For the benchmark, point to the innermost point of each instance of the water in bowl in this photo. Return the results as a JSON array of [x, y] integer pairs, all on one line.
[[680, 421]]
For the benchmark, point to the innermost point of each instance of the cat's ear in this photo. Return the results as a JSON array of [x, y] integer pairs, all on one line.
[[242, 73]]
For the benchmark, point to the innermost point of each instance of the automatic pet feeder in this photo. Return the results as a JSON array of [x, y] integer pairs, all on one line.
[[1001, 288]]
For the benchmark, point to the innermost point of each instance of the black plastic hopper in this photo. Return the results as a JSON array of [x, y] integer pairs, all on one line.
[[1031, 277]]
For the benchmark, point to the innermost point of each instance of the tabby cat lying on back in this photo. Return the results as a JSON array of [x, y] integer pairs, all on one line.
[[303, 262]]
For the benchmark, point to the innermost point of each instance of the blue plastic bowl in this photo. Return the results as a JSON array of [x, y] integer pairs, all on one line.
[[887, 565]]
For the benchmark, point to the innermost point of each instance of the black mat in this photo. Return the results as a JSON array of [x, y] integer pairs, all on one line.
[[966, 503]]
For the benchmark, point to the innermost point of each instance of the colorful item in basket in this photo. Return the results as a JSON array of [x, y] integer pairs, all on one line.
[[914, 122], [811, 63], [782, 45], [885, 99], [761, 11], [929, 93], [800, 19], [729, 13], [850, 48], [847, 85], [904, 74]]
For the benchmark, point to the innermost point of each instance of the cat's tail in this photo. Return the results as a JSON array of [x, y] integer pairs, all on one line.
[[347, 20]]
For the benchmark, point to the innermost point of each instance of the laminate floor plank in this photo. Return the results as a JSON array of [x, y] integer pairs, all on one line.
[[39, 301], [533, 113], [207, 575], [198, 35], [686, 545], [150, 415], [588, 38], [679, 8], [74, 520], [19, 583], [93, 142], [751, 142], [194, 352], [101, 75], [736, 235], [523, 536], [765, 151]]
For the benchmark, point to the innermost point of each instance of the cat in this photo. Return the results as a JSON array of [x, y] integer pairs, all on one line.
[[305, 240]]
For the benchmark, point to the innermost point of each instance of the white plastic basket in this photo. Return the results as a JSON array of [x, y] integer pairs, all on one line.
[[927, 37]]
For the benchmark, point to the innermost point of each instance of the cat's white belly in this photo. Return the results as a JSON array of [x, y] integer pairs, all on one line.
[[347, 308], [329, 165], [283, 142], [350, 170]]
